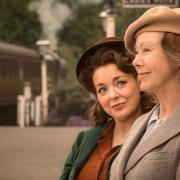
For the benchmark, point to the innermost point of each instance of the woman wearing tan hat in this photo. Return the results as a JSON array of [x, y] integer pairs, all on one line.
[[105, 70], [152, 149]]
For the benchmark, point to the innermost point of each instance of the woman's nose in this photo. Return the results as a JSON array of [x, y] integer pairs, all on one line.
[[137, 61], [113, 93]]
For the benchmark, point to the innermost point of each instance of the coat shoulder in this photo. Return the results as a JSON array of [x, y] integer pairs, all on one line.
[[93, 131]]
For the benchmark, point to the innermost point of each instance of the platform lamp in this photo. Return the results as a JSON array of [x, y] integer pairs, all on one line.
[[108, 18], [43, 48]]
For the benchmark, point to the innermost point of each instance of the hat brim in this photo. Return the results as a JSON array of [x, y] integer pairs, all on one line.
[[115, 42], [156, 19]]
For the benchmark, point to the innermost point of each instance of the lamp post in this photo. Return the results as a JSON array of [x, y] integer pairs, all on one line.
[[43, 46], [108, 19]]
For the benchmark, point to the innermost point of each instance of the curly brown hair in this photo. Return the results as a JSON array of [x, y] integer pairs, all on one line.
[[103, 56]]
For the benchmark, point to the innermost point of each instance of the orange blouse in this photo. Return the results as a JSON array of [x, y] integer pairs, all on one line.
[[96, 166]]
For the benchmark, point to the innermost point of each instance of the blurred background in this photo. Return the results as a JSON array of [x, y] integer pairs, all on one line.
[[67, 27], [42, 105]]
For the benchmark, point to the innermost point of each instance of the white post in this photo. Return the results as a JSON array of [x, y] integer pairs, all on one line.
[[110, 25], [37, 110], [27, 96], [43, 51], [27, 90], [44, 90], [108, 22], [27, 113], [21, 111], [32, 111]]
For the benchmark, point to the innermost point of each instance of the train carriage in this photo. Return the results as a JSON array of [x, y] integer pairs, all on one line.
[[17, 66]]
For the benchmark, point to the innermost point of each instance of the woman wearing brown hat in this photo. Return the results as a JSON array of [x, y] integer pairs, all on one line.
[[105, 70], [152, 149]]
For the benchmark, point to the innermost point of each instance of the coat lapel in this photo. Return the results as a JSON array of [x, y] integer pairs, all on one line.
[[169, 128], [119, 164], [89, 143]]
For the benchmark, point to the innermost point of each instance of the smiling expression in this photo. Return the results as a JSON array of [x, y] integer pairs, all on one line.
[[117, 92], [151, 62]]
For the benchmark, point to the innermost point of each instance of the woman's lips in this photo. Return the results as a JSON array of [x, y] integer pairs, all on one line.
[[118, 106], [142, 75]]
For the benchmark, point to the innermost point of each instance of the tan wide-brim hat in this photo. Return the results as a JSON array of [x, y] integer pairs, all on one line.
[[157, 19], [113, 42]]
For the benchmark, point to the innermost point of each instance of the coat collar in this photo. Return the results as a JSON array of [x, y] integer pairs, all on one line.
[[169, 129], [88, 144], [119, 164], [127, 159]]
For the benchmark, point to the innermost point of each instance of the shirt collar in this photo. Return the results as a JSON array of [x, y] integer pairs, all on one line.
[[154, 117]]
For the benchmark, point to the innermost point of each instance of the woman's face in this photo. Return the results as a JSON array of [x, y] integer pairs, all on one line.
[[117, 92], [151, 63]]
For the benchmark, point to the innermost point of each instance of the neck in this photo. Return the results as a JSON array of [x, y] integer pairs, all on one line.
[[169, 99], [122, 128]]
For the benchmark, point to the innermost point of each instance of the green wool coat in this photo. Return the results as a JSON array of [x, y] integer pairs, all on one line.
[[83, 147]]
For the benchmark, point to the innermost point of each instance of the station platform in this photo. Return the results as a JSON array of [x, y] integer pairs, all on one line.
[[34, 153]]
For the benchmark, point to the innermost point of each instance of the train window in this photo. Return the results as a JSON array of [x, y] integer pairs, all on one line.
[[28, 70], [37, 70], [25, 65], [11, 69]]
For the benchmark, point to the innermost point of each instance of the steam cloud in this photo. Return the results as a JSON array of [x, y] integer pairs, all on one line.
[[52, 15]]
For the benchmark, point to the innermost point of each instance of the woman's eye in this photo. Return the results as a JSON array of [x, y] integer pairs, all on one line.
[[120, 83], [102, 90], [146, 50]]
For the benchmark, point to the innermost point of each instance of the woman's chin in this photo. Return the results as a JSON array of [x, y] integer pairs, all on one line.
[[145, 87]]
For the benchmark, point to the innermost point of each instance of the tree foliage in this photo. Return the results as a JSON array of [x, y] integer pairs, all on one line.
[[125, 17], [17, 24], [84, 28], [20, 26]]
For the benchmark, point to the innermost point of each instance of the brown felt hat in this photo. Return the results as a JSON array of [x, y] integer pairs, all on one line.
[[113, 42], [156, 19]]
